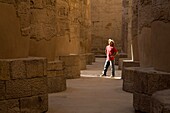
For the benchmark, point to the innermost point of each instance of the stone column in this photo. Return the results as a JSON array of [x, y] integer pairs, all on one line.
[[43, 29], [149, 80], [43, 41], [135, 50], [23, 79], [15, 28], [160, 35], [85, 33], [124, 38], [144, 33], [71, 66], [68, 36], [106, 23], [129, 73], [161, 102], [56, 76]]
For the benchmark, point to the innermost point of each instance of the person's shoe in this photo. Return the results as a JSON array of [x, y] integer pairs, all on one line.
[[102, 75], [112, 76]]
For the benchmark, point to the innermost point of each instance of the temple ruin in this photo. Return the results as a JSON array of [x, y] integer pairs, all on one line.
[[45, 42]]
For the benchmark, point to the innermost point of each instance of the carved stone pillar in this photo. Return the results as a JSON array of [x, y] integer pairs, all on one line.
[[160, 35]]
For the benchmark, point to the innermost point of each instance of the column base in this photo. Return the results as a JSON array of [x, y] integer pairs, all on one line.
[[23, 83], [56, 77]]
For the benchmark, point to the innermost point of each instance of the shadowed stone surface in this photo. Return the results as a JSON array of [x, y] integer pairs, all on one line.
[[160, 102], [25, 89]]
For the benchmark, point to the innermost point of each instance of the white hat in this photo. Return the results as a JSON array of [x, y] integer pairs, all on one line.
[[110, 40]]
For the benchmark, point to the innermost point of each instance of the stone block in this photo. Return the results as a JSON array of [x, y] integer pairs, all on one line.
[[38, 86], [51, 73], [82, 61], [25, 24], [149, 80], [5, 69], [35, 67], [55, 65], [130, 63], [70, 60], [13, 106], [146, 82], [23, 8], [128, 74], [90, 57], [120, 55], [18, 69], [128, 86], [72, 72], [37, 4], [2, 90], [121, 60], [18, 88], [56, 84], [140, 81], [141, 102], [40, 103], [35, 104], [3, 106], [26, 104], [160, 102]]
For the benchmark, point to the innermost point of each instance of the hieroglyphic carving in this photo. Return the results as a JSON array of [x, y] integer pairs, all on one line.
[[62, 10]]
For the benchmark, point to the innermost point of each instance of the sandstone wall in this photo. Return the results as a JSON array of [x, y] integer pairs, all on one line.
[[124, 27], [43, 30], [144, 33], [14, 28], [160, 34], [135, 30], [106, 23], [62, 27], [68, 28], [85, 24]]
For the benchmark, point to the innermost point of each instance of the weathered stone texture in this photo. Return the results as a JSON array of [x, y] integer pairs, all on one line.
[[56, 76], [120, 55], [120, 63], [124, 35], [19, 86], [160, 34], [35, 68], [128, 74], [4, 70], [90, 58], [43, 29], [105, 26], [38, 86], [55, 65], [160, 102], [82, 61], [10, 26], [18, 69], [141, 102], [8, 1], [160, 10], [38, 104], [2, 90], [146, 82], [144, 33], [56, 84], [72, 72]]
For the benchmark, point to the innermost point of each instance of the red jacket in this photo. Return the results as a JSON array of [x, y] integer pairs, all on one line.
[[110, 52]]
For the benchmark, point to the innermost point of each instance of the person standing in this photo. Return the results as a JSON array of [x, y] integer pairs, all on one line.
[[111, 52]]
